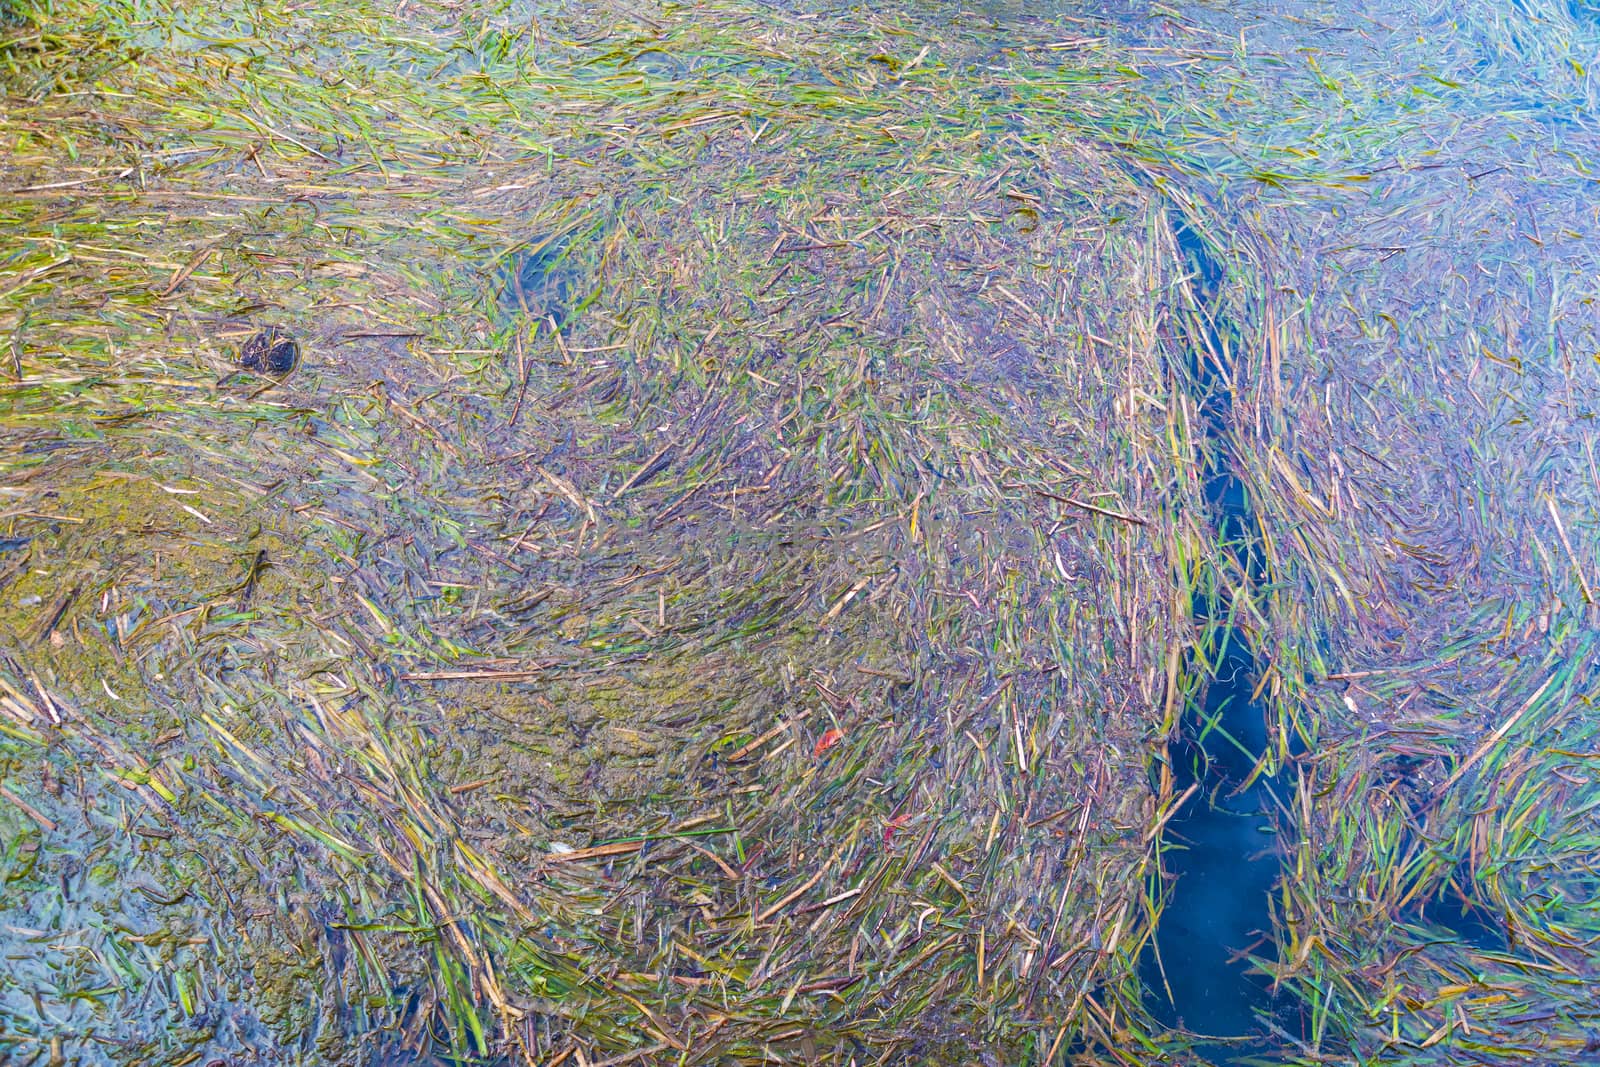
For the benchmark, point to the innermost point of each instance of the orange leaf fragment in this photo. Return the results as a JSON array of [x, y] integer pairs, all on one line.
[[828, 740]]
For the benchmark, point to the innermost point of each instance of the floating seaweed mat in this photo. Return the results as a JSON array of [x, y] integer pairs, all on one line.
[[763, 662], [1411, 429]]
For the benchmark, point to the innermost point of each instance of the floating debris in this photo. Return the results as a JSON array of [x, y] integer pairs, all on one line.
[[749, 634], [271, 352]]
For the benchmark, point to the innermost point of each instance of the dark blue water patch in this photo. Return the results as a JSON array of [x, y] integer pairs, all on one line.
[[1221, 854], [537, 281], [1222, 858], [1467, 919], [1469, 923], [1223, 742]]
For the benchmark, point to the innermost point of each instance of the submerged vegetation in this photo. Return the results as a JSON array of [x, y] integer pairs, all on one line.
[[719, 577]]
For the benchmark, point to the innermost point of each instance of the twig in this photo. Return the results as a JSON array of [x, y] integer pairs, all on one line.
[[798, 893], [29, 809], [619, 848], [49, 622], [468, 675], [1494, 739], [1136, 520], [1588, 595]]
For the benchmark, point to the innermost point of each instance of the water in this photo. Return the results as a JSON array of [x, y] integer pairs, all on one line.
[[1387, 217], [1225, 862], [1472, 146], [1463, 918], [1223, 857], [535, 283]]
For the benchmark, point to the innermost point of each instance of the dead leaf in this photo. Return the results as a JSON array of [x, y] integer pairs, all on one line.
[[828, 740]]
